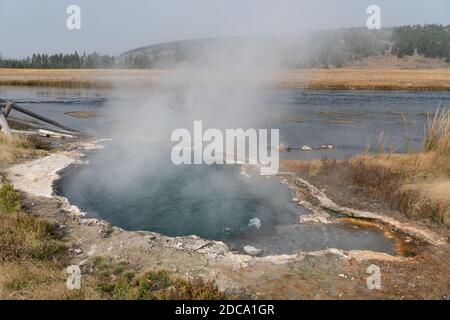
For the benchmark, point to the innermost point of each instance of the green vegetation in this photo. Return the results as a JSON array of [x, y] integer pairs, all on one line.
[[9, 200], [23, 236], [61, 61], [117, 281], [337, 47], [432, 41]]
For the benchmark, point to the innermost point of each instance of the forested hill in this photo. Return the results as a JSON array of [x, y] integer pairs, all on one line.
[[315, 50], [319, 49]]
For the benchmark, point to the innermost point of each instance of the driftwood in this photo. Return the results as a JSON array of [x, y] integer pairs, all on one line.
[[4, 127], [65, 132], [8, 108], [14, 106], [42, 133], [37, 126]]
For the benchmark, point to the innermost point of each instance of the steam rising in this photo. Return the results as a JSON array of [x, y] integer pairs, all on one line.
[[227, 92]]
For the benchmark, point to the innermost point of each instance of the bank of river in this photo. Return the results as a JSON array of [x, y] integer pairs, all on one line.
[[317, 79]]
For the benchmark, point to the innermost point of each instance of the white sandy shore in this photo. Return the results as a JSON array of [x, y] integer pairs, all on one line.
[[37, 176]]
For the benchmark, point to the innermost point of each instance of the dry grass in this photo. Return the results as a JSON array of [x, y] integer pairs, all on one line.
[[416, 183], [74, 78], [34, 280], [83, 114], [381, 79], [413, 183], [311, 167], [437, 133], [16, 149]]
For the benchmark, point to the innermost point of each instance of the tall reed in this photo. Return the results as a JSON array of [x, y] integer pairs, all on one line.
[[437, 132]]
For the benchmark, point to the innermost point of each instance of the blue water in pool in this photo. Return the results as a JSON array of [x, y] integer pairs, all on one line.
[[215, 202]]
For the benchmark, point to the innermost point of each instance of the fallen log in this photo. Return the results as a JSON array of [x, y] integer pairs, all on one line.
[[14, 106], [42, 133], [8, 108], [4, 127], [37, 126]]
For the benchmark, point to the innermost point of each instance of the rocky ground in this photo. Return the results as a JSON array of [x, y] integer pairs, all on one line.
[[327, 274]]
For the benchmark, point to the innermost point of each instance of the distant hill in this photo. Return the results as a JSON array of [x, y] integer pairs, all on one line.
[[319, 49], [337, 48]]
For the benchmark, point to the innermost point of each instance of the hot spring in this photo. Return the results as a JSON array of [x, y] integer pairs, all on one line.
[[214, 202]]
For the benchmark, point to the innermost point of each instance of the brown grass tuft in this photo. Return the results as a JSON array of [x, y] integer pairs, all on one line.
[[413, 183], [437, 133], [15, 149]]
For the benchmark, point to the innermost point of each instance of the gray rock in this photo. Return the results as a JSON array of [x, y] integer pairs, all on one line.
[[255, 222], [252, 251]]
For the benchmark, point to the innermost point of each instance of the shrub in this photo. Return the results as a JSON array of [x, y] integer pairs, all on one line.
[[116, 281], [23, 236], [9, 200]]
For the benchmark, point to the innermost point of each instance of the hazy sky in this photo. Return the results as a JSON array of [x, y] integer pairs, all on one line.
[[113, 27]]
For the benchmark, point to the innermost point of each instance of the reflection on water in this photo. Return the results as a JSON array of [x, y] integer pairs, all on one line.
[[347, 120], [55, 102]]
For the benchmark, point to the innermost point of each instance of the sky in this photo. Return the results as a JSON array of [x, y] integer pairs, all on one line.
[[113, 27]]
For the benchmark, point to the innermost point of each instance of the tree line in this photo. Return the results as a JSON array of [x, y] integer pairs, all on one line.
[[338, 47], [93, 60], [324, 49], [431, 40]]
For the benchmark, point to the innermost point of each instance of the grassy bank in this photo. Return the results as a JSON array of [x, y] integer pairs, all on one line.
[[416, 183], [17, 149], [319, 79], [381, 79]]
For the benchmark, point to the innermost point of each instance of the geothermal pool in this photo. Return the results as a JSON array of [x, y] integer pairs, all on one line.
[[214, 202]]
